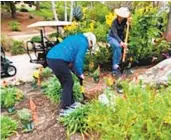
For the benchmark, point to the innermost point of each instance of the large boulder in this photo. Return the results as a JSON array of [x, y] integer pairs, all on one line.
[[158, 74]]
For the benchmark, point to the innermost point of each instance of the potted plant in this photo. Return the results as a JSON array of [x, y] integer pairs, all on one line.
[[25, 116]]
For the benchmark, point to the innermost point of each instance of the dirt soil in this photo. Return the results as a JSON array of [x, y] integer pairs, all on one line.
[[47, 128], [24, 19]]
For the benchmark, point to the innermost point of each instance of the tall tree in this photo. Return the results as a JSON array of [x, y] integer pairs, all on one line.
[[71, 10], [13, 9], [65, 7], [54, 11], [37, 5]]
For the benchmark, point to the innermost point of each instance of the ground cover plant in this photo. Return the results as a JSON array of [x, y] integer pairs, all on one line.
[[25, 116], [15, 26], [9, 97], [52, 88], [143, 112], [8, 127]]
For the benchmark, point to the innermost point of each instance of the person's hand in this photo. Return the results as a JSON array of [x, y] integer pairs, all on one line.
[[124, 45], [82, 76], [70, 65], [129, 20]]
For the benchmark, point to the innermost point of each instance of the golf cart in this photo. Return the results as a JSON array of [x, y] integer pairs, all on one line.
[[41, 48], [7, 69]]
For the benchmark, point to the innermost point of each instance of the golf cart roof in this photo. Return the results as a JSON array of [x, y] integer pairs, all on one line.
[[49, 23]]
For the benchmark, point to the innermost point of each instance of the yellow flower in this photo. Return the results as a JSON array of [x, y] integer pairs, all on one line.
[[71, 27], [91, 26], [84, 9], [110, 81], [109, 18], [82, 89]]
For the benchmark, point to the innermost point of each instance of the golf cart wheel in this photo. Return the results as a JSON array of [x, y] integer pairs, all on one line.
[[11, 70]]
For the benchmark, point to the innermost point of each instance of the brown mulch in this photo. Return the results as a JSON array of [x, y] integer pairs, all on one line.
[[24, 19]]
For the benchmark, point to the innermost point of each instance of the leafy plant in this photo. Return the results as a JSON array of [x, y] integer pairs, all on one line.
[[47, 72], [76, 121], [142, 113], [36, 39], [8, 127], [15, 26], [52, 88], [25, 114], [102, 57], [9, 96], [100, 31], [97, 13], [6, 42], [141, 34], [17, 47], [26, 119]]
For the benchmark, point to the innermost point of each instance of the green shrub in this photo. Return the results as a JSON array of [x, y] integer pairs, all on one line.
[[47, 72], [8, 127], [143, 113], [9, 96], [102, 57], [52, 88], [15, 26], [6, 42], [17, 47], [47, 14], [97, 13], [101, 31], [36, 39], [145, 27]]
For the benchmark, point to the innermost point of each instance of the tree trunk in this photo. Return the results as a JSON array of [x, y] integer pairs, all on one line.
[[71, 10], [168, 30], [13, 9], [37, 5], [65, 7], [54, 11]]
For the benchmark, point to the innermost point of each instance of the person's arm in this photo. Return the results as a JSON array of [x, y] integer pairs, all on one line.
[[78, 64], [115, 33]]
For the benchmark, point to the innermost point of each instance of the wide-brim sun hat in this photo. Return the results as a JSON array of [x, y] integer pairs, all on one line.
[[122, 12]]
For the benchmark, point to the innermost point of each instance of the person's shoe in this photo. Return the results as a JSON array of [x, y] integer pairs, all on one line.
[[66, 112], [119, 88], [69, 109], [75, 105], [116, 73]]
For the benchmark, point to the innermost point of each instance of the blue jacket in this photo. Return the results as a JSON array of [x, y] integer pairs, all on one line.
[[73, 50]]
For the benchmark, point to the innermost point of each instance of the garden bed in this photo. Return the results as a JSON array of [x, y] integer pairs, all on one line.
[[48, 127]]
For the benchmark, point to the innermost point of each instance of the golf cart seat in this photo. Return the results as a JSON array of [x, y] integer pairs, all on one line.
[[37, 51]]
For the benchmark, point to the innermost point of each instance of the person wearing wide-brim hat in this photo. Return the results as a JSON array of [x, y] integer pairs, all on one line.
[[116, 37]]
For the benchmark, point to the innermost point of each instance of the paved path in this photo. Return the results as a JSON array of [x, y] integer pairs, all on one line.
[[25, 69]]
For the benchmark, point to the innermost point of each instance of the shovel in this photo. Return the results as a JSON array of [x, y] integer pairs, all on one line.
[[125, 51]]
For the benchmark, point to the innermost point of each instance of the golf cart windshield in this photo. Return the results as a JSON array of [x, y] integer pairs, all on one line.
[[40, 48]]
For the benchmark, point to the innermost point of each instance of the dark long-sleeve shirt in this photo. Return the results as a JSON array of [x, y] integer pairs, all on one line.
[[117, 30]]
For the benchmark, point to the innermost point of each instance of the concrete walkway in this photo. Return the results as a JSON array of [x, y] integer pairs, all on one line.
[[25, 69]]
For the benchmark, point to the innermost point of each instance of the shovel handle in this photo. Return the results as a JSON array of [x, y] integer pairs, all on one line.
[[126, 40]]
